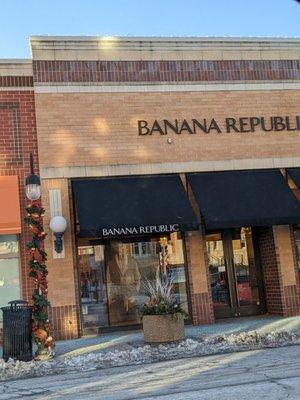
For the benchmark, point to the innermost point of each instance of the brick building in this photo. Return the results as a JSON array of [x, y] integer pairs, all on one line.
[[176, 156], [18, 138]]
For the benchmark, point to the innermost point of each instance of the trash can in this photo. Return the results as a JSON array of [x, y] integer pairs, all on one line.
[[17, 327]]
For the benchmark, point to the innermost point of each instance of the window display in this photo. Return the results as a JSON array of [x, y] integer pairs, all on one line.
[[112, 277], [92, 285], [9, 270]]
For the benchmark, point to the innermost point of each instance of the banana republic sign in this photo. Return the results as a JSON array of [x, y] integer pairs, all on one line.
[[139, 230], [212, 125]]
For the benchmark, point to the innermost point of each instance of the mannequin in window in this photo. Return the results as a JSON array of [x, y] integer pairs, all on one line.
[[124, 282]]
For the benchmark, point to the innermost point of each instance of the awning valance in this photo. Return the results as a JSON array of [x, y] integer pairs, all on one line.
[[127, 206], [244, 198], [10, 220]]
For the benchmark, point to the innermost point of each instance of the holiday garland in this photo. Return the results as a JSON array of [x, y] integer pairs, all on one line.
[[38, 271]]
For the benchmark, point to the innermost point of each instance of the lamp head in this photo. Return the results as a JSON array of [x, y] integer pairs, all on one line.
[[58, 224], [33, 183]]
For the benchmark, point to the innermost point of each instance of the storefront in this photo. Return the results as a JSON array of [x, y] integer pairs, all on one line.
[[172, 156], [135, 236], [10, 229], [131, 230]]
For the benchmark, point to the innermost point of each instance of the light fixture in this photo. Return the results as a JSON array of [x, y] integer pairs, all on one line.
[[33, 183], [58, 226]]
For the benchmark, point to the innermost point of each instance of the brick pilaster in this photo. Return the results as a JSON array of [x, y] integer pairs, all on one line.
[[199, 280], [278, 263]]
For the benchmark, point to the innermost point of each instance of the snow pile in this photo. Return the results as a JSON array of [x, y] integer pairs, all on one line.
[[147, 354]]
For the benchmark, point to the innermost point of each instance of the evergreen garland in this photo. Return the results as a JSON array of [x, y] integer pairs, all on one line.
[[38, 271]]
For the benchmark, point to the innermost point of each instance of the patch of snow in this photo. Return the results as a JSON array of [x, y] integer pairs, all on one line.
[[146, 354]]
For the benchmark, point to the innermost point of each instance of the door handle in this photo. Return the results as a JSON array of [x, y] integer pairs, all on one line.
[[235, 283]]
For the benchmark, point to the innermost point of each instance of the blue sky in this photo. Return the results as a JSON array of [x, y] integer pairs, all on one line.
[[21, 18]]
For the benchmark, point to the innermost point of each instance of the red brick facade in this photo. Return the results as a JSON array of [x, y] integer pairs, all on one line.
[[280, 299], [17, 139], [16, 81], [165, 71], [272, 279]]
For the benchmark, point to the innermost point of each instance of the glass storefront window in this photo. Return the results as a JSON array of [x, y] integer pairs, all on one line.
[[112, 277], [92, 285], [9, 270]]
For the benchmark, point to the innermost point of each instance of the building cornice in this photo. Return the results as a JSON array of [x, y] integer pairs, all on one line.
[[162, 48], [15, 67]]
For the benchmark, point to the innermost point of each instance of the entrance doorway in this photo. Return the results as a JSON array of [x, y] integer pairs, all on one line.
[[235, 273]]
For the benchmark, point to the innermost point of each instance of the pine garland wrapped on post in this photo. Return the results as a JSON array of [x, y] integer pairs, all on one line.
[[38, 271]]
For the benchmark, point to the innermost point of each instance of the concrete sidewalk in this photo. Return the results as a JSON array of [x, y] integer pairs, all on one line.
[[127, 340]]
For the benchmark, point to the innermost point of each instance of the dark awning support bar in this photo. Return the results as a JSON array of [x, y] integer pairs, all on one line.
[[294, 173]]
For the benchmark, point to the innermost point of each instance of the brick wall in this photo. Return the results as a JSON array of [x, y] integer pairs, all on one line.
[[17, 139], [281, 283], [272, 277], [199, 279], [90, 129], [62, 278], [287, 267]]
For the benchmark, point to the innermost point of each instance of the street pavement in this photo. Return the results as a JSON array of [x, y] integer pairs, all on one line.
[[272, 373]]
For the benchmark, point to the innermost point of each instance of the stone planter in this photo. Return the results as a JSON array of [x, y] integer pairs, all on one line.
[[163, 328]]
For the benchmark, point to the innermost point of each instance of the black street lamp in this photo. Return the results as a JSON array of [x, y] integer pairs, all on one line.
[[33, 183], [41, 328]]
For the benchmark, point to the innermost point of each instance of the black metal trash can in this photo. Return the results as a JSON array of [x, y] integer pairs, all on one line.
[[17, 328]]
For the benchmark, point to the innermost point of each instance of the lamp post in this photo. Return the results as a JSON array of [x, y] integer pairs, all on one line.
[[37, 268]]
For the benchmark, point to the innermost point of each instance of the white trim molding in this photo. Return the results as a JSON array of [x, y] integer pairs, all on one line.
[[168, 87], [168, 167]]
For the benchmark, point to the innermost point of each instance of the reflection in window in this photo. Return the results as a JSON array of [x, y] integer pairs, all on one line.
[[112, 288], [9, 270], [92, 285], [218, 270], [297, 244]]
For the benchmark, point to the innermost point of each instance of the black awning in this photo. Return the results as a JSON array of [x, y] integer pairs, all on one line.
[[132, 206], [294, 173], [244, 198]]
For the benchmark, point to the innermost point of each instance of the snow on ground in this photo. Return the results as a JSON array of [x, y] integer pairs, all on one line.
[[147, 354]]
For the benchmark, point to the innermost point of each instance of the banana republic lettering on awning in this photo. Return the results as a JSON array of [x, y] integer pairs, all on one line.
[[239, 125], [140, 230]]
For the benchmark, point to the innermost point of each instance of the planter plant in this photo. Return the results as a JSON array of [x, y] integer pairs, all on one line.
[[162, 316]]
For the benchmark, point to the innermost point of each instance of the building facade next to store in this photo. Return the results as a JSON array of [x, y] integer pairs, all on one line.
[[177, 156]]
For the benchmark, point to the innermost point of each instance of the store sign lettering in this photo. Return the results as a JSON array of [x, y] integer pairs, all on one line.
[[140, 230], [239, 125]]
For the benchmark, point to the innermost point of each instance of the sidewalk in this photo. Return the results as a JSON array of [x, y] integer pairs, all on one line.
[[129, 348], [126, 340]]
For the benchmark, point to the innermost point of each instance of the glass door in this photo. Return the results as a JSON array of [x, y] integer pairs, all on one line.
[[246, 274], [219, 275], [236, 282]]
